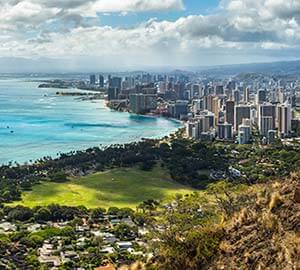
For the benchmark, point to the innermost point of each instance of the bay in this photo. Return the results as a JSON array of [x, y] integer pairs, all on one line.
[[35, 122]]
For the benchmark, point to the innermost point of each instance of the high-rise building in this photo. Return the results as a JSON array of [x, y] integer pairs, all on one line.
[[195, 131], [244, 134], [208, 100], [297, 100], [265, 125], [195, 91], [112, 93], [266, 117], [229, 112], [204, 124], [115, 82], [128, 83], [225, 131], [197, 105], [197, 126], [236, 96], [189, 128], [141, 103], [261, 96], [219, 90], [281, 96], [179, 88], [101, 81], [178, 109], [215, 109], [150, 102], [284, 119], [92, 79], [210, 118], [241, 112], [136, 103], [246, 94]]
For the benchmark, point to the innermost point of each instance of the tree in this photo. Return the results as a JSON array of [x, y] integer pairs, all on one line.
[[148, 205], [43, 214], [58, 177], [98, 213], [113, 211], [125, 232], [20, 213], [188, 250]]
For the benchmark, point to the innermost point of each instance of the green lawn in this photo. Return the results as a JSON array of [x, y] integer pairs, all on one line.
[[119, 187]]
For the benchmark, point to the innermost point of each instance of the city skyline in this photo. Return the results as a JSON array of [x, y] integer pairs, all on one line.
[[101, 34]]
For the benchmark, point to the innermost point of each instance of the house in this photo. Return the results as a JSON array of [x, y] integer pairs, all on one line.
[[8, 227], [34, 227], [124, 245], [108, 250], [68, 256], [50, 261], [234, 172], [108, 238]]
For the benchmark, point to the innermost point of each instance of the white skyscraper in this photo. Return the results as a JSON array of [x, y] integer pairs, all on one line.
[[244, 134]]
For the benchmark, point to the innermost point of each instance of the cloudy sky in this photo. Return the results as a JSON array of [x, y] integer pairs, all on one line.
[[116, 34]]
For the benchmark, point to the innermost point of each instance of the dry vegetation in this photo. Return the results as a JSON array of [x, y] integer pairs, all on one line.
[[266, 234]]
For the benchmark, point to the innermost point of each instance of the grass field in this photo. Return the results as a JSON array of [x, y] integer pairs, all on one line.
[[119, 187]]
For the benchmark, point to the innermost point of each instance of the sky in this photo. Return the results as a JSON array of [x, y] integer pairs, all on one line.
[[132, 34]]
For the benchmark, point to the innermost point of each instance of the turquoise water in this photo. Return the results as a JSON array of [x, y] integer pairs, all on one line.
[[35, 123]]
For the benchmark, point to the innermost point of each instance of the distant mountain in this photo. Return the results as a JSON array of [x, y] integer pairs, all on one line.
[[82, 65], [278, 68]]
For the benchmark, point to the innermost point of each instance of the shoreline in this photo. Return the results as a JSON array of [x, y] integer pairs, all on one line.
[[154, 115], [99, 146], [57, 155], [29, 157]]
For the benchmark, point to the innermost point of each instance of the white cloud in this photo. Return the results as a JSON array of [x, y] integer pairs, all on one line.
[[274, 46], [239, 27], [136, 5]]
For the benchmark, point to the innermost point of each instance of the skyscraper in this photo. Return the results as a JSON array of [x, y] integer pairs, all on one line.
[[101, 81], [208, 102], [112, 93], [236, 96], [197, 126], [229, 112], [241, 112], [225, 131], [266, 124], [266, 118], [246, 94], [116, 82], [284, 119], [92, 79], [261, 96], [219, 90], [136, 103], [178, 109], [141, 103], [216, 108], [244, 134]]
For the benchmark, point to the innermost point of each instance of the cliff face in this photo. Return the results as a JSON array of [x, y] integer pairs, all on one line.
[[265, 235]]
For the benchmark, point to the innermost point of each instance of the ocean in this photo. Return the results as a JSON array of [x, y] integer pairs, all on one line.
[[35, 122]]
